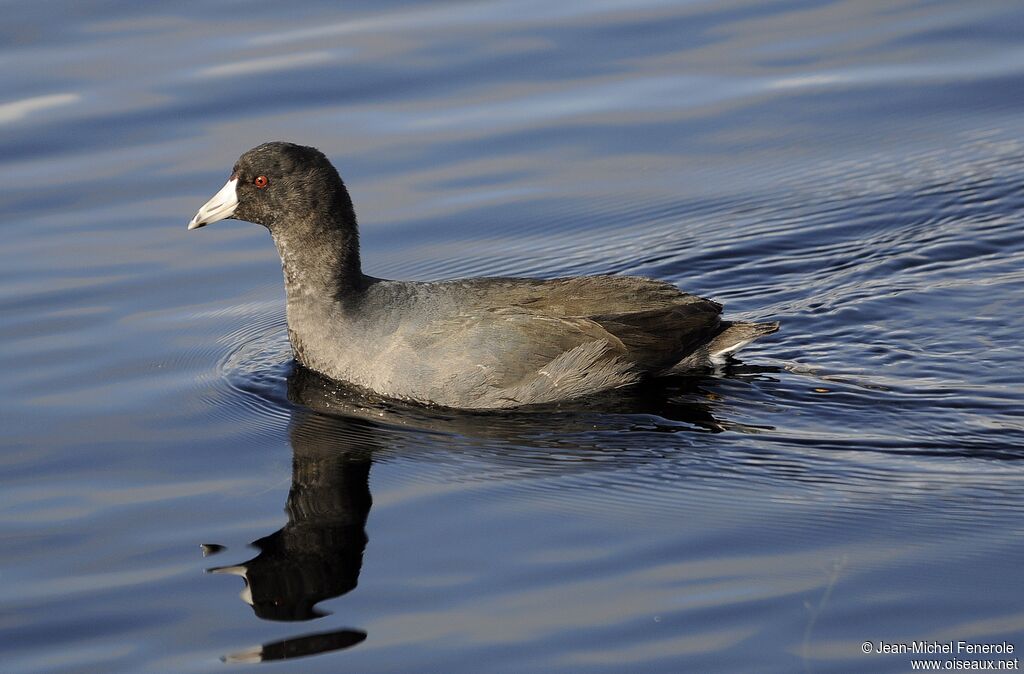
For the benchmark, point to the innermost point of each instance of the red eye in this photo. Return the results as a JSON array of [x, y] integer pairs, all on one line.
[[261, 182]]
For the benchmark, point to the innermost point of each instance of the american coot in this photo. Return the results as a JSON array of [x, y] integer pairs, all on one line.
[[472, 343]]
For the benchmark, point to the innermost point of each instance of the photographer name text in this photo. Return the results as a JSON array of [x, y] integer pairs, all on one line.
[[958, 647]]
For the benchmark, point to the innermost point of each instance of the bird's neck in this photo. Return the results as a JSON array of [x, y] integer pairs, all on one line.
[[320, 259]]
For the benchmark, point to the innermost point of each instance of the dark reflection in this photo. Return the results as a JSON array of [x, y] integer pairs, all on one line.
[[211, 549], [310, 644], [334, 431], [318, 553]]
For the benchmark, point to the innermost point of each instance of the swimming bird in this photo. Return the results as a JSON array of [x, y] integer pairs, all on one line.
[[478, 343]]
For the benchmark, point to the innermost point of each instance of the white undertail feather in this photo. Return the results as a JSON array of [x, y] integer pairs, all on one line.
[[731, 339], [720, 357]]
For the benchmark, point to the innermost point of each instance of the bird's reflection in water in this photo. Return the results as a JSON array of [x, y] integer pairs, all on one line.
[[310, 644], [334, 432], [318, 554]]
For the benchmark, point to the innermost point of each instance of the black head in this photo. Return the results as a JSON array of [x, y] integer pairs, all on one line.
[[278, 184]]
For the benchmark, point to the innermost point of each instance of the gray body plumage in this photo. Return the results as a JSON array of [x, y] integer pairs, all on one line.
[[475, 343]]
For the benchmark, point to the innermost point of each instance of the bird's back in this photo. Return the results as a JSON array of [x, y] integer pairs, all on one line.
[[657, 323]]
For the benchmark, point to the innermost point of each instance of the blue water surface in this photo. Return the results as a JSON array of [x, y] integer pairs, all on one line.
[[852, 169]]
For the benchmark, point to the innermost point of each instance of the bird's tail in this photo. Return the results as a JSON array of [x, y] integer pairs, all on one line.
[[732, 338], [735, 337]]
